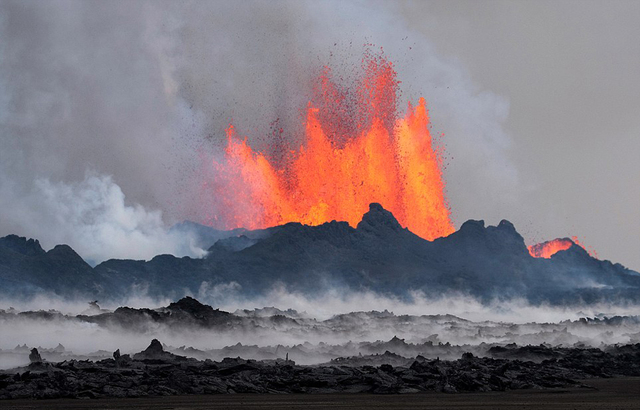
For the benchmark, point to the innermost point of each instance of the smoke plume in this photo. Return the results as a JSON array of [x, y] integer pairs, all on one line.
[[139, 94]]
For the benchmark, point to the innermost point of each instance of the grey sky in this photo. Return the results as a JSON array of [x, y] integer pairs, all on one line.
[[538, 102], [571, 72]]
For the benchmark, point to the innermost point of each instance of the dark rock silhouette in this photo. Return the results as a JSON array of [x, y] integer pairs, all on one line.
[[481, 261], [378, 221], [154, 349], [22, 246], [34, 356], [155, 352], [384, 374]]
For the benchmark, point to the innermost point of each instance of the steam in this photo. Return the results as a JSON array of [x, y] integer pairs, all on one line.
[[337, 301], [146, 103], [93, 217], [318, 320]]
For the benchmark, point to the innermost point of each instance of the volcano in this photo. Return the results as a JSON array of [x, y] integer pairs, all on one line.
[[272, 219], [355, 149], [484, 262]]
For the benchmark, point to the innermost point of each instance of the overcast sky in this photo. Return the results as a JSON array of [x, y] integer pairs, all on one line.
[[571, 73], [105, 108]]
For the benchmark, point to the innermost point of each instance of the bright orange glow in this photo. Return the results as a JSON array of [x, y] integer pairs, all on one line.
[[550, 248], [352, 154]]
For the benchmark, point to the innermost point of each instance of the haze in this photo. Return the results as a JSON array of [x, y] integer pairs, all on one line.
[[106, 109]]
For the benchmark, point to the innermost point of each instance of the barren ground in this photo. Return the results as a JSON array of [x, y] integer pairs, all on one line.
[[618, 393]]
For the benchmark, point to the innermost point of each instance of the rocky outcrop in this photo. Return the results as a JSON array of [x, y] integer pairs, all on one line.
[[155, 353], [34, 356]]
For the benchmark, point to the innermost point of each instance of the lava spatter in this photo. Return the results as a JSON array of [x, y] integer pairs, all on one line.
[[356, 150]]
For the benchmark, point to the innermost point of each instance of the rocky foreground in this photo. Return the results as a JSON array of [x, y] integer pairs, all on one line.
[[155, 372]]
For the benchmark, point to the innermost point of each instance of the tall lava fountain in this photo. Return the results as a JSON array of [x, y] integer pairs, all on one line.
[[356, 150]]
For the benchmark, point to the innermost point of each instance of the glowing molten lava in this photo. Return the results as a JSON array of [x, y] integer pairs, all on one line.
[[355, 151], [549, 248]]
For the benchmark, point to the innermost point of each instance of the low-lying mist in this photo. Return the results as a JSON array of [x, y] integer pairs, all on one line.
[[318, 329], [334, 301]]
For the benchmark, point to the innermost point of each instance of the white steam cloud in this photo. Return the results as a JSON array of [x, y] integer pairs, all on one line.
[[93, 217], [142, 91]]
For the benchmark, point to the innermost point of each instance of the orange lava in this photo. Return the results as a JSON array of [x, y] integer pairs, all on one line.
[[550, 248], [356, 150]]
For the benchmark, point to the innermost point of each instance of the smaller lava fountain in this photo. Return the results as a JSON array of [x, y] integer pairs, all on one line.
[[548, 249]]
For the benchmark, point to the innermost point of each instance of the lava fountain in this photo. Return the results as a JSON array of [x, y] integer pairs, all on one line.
[[356, 149], [549, 248]]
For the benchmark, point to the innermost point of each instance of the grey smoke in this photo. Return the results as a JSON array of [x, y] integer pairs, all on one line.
[[92, 215], [138, 95]]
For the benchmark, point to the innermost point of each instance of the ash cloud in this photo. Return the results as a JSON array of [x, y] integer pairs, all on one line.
[[139, 93]]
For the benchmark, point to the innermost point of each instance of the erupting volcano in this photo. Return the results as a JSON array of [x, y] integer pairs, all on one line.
[[356, 150]]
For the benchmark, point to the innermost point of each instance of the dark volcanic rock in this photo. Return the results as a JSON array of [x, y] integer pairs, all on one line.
[[34, 356], [154, 350], [185, 313], [379, 255], [191, 309], [26, 269], [156, 372], [378, 221], [156, 353], [21, 245]]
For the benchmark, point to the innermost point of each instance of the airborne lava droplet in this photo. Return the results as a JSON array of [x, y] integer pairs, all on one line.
[[357, 150]]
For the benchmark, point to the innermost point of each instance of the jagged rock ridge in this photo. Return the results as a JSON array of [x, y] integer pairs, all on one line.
[[482, 261]]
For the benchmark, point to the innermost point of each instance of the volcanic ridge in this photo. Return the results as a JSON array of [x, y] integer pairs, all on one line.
[[485, 262]]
